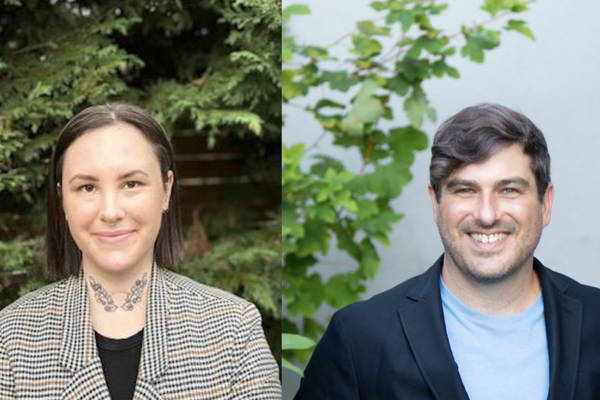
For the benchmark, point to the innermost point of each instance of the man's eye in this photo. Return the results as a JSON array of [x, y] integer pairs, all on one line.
[[510, 191], [465, 191]]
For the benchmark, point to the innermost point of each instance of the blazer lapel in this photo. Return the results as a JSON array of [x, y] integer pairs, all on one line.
[[80, 355], [563, 316], [154, 361], [423, 324], [78, 350]]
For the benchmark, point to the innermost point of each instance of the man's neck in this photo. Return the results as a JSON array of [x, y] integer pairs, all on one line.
[[507, 297]]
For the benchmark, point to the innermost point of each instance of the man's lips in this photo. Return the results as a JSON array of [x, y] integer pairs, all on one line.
[[488, 241], [113, 236]]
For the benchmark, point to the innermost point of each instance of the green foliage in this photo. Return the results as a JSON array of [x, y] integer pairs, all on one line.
[[247, 264], [328, 200], [295, 342]]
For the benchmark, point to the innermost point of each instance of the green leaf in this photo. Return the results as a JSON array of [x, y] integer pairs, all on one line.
[[328, 103], [387, 181], [294, 9], [398, 85], [416, 106], [438, 68], [295, 342], [324, 212], [437, 9], [286, 364], [286, 54], [315, 52], [366, 209], [519, 26], [365, 109], [291, 155], [289, 223], [405, 17], [365, 45], [370, 259], [316, 237], [403, 142], [478, 40], [338, 80], [288, 88], [338, 291], [344, 199], [324, 164], [368, 28], [452, 72], [378, 5]]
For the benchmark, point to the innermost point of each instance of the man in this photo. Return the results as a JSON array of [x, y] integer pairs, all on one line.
[[487, 320]]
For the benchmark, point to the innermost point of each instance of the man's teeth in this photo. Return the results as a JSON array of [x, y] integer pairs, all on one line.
[[488, 238]]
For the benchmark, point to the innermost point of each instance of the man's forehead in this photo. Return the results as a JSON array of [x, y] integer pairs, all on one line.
[[509, 163]]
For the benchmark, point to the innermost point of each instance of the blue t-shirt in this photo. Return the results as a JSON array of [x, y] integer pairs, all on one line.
[[498, 358]]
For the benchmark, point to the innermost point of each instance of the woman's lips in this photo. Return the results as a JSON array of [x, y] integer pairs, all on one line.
[[113, 237]]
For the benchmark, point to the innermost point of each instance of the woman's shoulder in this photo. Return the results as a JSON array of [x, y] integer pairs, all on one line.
[[180, 285], [30, 305]]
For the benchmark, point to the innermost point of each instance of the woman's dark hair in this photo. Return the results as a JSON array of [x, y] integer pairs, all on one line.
[[476, 133], [62, 254]]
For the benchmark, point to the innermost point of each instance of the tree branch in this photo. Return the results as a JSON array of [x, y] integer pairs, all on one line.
[[312, 146], [480, 24], [350, 33]]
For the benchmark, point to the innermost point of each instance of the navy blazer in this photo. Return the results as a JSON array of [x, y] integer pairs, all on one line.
[[394, 346]]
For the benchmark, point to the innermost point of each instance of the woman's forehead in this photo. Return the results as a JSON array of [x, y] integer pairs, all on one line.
[[113, 149]]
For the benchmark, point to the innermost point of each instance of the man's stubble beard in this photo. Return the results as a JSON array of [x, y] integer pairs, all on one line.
[[471, 269]]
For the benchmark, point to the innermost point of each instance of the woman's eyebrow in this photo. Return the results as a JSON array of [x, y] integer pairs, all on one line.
[[91, 178], [84, 177], [132, 173]]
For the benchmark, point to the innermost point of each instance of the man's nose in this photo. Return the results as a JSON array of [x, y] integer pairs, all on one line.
[[488, 210]]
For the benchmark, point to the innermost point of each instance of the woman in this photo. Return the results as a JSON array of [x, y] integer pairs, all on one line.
[[117, 325]]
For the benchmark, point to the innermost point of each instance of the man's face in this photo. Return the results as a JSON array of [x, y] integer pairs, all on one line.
[[490, 218]]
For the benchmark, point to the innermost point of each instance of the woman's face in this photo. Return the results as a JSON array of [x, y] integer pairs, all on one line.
[[113, 197]]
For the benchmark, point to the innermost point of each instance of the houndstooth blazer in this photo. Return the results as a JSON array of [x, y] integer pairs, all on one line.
[[199, 343]]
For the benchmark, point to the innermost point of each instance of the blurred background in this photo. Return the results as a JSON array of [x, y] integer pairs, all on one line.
[[553, 80], [209, 71]]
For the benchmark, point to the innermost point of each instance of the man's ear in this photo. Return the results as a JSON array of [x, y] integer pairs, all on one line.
[[434, 202], [547, 204]]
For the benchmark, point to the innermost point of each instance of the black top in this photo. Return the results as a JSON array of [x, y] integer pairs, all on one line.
[[120, 362]]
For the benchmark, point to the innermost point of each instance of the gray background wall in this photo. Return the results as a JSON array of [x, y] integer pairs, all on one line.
[[554, 81]]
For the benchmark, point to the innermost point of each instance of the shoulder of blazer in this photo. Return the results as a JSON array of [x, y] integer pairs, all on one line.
[[372, 317], [179, 285], [39, 301], [567, 286]]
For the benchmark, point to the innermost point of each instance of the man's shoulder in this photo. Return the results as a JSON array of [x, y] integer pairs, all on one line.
[[386, 303], [573, 288]]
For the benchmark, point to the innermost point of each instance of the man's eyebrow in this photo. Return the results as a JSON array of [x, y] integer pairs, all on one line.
[[459, 182], [91, 178], [513, 181]]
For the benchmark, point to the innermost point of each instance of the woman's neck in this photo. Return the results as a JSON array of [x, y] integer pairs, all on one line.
[[118, 301]]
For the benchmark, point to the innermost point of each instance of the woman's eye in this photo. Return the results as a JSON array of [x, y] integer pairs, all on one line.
[[87, 188], [132, 184]]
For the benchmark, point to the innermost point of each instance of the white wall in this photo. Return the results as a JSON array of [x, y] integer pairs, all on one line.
[[555, 81]]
